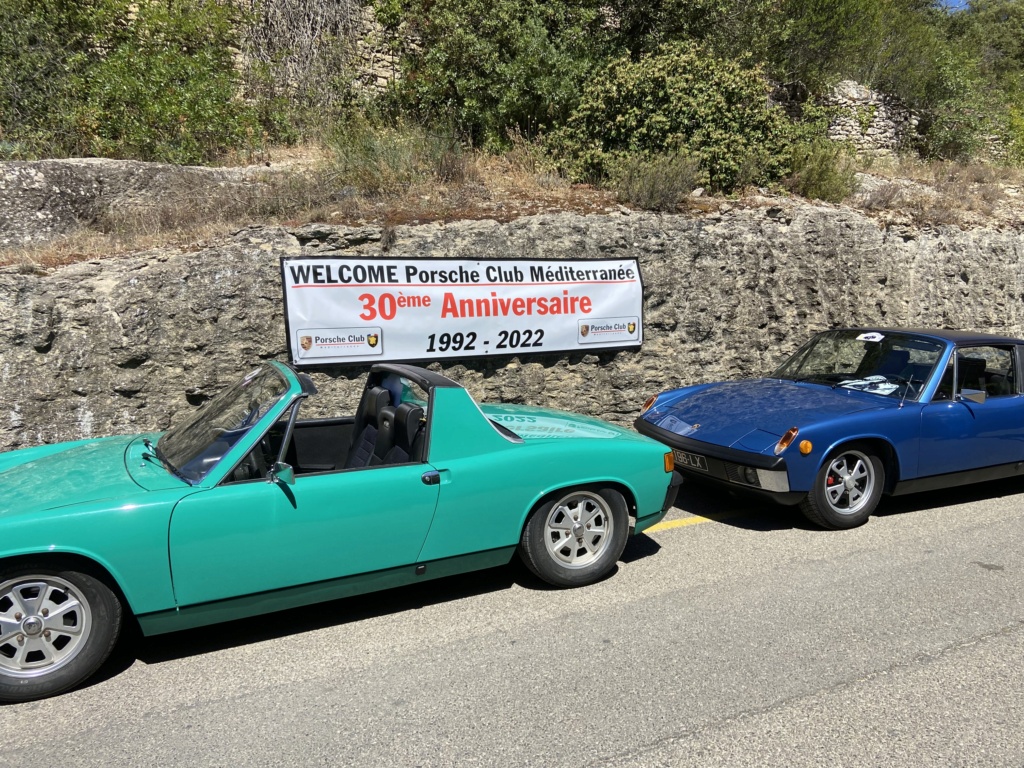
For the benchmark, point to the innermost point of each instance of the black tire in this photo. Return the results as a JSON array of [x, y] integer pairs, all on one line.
[[846, 490], [576, 537], [57, 627]]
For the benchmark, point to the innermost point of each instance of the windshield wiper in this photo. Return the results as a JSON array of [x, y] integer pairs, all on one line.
[[156, 452]]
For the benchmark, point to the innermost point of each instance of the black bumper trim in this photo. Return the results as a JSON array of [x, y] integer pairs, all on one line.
[[733, 455]]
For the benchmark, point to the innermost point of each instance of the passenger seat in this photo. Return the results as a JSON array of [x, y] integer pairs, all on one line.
[[364, 432]]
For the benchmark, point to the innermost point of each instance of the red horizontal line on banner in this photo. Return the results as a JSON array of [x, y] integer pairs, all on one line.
[[453, 285]]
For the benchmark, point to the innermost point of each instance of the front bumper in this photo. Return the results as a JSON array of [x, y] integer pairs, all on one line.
[[765, 476]]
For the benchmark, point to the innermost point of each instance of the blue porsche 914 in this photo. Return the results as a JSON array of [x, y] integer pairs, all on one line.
[[854, 414]]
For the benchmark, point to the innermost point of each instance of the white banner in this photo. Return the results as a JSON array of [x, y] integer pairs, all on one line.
[[345, 310]]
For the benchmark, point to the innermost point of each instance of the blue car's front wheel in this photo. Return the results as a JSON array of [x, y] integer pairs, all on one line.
[[846, 489]]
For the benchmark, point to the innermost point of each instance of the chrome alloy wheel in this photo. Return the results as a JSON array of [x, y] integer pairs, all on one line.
[[45, 622], [849, 482], [578, 529]]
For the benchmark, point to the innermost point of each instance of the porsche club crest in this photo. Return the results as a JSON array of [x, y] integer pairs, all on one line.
[[631, 327], [306, 342], [372, 339], [584, 330]]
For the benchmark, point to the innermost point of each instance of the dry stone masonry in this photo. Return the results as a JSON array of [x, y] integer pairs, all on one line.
[[128, 345], [873, 122]]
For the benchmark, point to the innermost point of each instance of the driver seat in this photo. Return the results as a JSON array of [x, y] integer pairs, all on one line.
[[364, 432]]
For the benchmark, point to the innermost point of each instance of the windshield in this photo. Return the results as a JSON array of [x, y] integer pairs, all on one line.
[[195, 446], [890, 364]]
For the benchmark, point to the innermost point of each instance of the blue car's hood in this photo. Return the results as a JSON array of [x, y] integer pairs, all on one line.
[[60, 475], [755, 414]]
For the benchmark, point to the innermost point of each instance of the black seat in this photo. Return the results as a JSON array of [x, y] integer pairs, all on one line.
[[364, 431], [408, 435], [970, 373], [386, 429], [893, 363]]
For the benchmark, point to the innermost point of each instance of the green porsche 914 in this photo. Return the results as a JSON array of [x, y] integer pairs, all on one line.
[[242, 509]]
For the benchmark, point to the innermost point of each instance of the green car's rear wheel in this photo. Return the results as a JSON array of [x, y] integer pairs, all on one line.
[[577, 537], [56, 628]]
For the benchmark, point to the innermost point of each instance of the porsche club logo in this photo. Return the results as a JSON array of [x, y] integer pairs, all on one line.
[[631, 327], [306, 342], [584, 330], [372, 339]]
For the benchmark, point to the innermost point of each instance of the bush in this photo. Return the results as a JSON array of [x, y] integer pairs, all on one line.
[[484, 67], [43, 58], [678, 100], [388, 159], [151, 81], [822, 170], [658, 184], [298, 64]]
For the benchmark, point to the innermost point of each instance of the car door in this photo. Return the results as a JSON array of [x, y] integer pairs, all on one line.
[[958, 433], [248, 537]]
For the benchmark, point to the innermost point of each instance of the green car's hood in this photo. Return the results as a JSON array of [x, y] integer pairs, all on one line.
[[59, 475], [534, 423]]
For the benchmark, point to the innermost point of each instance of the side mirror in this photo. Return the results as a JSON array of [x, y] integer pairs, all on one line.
[[974, 395], [282, 473]]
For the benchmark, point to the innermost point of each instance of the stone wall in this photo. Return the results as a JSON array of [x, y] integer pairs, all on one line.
[[874, 123], [127, 345]]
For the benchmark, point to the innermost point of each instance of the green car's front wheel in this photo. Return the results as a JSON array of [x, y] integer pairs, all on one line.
[[56, 628], [576, 538]]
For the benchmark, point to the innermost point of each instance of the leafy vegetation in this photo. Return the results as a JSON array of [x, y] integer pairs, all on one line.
[[153, 81], [676, 100], [645, 96]]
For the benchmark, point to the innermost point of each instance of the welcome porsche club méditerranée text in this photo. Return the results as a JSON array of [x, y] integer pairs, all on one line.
[[363, 310]]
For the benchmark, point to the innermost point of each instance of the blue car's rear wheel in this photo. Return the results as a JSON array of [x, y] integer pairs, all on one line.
[[846, 489], [576, 538], [56, 628]]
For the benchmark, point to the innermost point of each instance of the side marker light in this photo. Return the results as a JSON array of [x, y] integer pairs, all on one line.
[[806, 447]]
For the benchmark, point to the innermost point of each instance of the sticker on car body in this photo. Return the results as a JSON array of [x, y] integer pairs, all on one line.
[[872, 336], [680, 427]]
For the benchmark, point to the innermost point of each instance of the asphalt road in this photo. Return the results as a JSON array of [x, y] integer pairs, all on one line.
[[749, 639]]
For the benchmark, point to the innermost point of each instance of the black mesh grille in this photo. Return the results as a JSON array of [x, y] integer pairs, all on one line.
[[735, 474]]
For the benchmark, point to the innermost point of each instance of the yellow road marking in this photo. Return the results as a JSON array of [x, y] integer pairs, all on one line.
[[666, 525]]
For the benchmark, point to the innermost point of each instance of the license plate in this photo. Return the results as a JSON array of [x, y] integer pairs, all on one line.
[[692, 460]]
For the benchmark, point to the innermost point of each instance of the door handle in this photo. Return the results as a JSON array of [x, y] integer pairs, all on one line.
[[431, 478]]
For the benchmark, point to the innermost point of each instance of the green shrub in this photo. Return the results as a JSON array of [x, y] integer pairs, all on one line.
[[484, 67], [43, 58], [1015, 136], [388, 159], [151, 81], [678, 100], [822, 170], [658, 184]]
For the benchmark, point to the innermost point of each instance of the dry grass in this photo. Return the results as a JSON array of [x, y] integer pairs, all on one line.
[[306, 185], [933, 193], [298, 186]]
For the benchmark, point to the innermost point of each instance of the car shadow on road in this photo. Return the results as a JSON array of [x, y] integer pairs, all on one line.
[[192, 642], [950, 497], [754, 514], [737, 509]]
